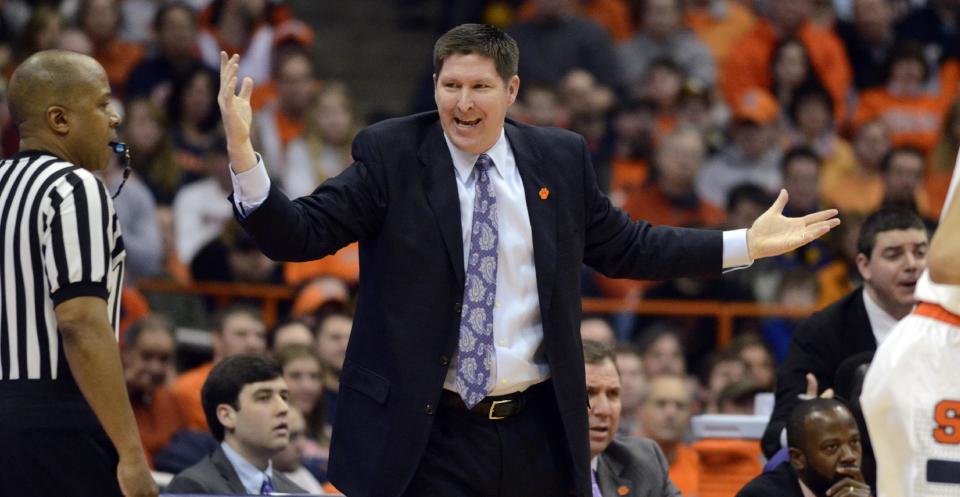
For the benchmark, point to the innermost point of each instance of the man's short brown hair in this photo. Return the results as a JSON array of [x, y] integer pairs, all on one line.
[[595, 353], [480, 39]]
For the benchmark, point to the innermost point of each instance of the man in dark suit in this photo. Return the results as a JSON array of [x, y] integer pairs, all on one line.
[[892, 248], [824, 456], [635, 467], [464, 374], [245, 402]]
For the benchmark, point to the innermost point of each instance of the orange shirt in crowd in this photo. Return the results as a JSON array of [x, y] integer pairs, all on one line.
[[612, 15], [720, 30], [345, 265], [751, 67], [838, 163], [870, 191], [133, 306], [627, 174], [685, 471], [935, 187], [186, 394], [912, 120], [868, 187], [118, 58], [726, 465], [158, 419], [290, 129], [651, 205], [834, 281]]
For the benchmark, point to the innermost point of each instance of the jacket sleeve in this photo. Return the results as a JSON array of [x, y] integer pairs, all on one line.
[[342, 210], [808, 353], [186, 484]]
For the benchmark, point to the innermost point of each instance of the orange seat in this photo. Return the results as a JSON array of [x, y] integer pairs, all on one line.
[[726, 465]]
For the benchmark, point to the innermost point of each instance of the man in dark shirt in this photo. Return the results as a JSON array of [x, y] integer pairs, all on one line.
[[824, 456]]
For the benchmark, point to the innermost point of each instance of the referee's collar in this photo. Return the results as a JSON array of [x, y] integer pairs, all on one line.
[[35, 153]]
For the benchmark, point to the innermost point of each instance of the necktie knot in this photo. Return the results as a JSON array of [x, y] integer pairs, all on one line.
[[484, 162], [267, 487]]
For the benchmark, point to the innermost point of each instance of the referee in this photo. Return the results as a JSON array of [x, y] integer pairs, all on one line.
[[66, 426]]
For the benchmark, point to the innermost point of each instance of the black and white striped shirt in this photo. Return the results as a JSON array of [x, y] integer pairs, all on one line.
[[59, 239]]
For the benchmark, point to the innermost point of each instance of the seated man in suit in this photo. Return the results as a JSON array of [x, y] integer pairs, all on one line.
[[245, 401], [824, 456], [634, 467], [891, 254]]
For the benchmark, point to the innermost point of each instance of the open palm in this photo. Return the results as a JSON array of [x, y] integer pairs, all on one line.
[[236, 112], [773, 233]]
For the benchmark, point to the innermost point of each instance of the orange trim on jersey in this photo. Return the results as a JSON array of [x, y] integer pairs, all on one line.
[[936, 312]]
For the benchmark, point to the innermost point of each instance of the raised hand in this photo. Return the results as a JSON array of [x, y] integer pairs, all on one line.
[[812, 388], [773, 233], [851, 486], [237, 114]]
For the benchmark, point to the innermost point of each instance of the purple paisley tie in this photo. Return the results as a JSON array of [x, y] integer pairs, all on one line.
[[476, 352]]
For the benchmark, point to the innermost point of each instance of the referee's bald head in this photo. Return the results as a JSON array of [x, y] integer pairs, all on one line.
[[47, 79], [61, 103]]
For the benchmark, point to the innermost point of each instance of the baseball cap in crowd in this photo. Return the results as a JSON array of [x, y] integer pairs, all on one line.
[[293, 31], [757, 106], [320, 294]]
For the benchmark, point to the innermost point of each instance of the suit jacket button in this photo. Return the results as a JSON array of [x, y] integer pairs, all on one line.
[[457, 308], [428, 410], [444, 360]]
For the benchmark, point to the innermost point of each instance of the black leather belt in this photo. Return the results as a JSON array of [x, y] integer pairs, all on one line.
[[491, 408]]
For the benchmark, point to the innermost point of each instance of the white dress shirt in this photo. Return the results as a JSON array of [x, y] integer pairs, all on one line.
[[251, 476], [517, 325], [881, 322]]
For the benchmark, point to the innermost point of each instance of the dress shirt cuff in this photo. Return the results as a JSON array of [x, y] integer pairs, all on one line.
[[735, 252], [250, 188]]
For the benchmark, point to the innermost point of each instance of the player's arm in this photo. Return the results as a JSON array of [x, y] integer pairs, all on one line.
[[91, 351], [945, 248]]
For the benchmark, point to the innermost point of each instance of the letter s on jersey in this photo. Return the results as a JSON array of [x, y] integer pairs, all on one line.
[[947, 416]]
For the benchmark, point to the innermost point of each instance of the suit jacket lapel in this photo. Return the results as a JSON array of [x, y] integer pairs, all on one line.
[[541, 209], [859, 321], [440, 184], [226, 470], [611, 481]]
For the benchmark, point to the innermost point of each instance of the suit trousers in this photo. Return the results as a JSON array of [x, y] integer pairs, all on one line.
[[525, 455]]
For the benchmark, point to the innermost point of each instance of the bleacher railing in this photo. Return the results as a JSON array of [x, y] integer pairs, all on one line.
[[270, 297]]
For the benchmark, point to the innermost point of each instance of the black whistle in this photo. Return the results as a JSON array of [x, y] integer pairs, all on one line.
[[119, 148], [123, 151]]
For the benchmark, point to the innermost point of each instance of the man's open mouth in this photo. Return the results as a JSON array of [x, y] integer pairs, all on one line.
[[466, 124]]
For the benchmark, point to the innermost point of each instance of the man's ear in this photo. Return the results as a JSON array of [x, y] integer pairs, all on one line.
[[863, 266], [227, 416], [57, 120], [513, 88], [797, 460]]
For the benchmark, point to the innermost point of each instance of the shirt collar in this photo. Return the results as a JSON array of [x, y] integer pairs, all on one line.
[[594, 463], [805, 489], [881, 322], [463, 162], [250, 476]]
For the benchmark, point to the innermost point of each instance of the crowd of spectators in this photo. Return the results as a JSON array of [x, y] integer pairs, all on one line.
[[696, 113]]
